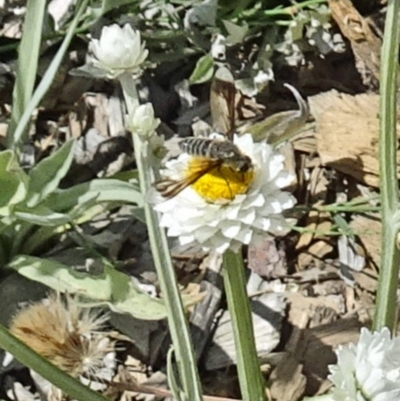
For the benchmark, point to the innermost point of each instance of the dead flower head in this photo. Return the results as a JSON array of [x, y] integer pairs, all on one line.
[[65, 333]]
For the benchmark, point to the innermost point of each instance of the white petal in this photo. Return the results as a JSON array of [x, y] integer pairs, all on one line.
[[245, 236], [230, 230], [258, 200], [205, 233], [222, 248], [247, 216], [245, 143], [232, 212], [186, 239], [263, 223]]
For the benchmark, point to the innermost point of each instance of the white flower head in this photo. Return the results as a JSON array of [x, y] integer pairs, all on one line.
[[143, 121], [368, 370], [224, 209], [118, 50]]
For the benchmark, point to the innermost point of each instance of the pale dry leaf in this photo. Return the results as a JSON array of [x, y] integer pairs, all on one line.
[[267, 314], [347, 133], [368, 230]]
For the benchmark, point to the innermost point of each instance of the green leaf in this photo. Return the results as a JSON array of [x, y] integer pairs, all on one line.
[[88, 71], [14, 136], [203, 71], [111, 288], [94, 13], [138, 212], [41, 216], [236, 33], [28, 55], [108, 5], [46, 176], [13, 182], [104, 190], [343, 226]]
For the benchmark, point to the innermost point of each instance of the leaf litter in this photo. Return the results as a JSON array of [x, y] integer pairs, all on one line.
[[307, 297]]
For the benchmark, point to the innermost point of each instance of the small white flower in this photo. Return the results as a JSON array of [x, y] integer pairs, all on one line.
[[119, 50], [218, 48], [262, 78], [143, 121], [368, 370], [254, 209]]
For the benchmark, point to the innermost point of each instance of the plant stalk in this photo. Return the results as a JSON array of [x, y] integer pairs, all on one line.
[[177, 322], [250, 378], [385, 312]]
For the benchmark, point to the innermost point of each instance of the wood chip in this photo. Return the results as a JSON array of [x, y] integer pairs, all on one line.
[[288, 382], [364, 42], [315, 254]]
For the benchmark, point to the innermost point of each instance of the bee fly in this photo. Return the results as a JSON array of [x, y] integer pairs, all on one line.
[[212, 153]]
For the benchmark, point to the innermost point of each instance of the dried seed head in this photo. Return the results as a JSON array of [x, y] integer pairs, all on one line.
[[66, 334]]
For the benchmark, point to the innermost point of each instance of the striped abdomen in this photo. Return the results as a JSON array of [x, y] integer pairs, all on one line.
[[212, 148], [225, 151]]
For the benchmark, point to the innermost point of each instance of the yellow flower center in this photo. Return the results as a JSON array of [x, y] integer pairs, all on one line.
[[221, 183]]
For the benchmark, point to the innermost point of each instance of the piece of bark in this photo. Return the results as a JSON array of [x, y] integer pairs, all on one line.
[[364, 42], [204, 312]]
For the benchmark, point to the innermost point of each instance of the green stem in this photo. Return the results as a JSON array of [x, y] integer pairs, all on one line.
[[385, 313], [294, 8], [34, 361], [250, 378], [178, 326]]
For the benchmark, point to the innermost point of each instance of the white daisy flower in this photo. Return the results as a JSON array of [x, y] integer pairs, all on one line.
[[224, 208], [368, 370], [119, 50]]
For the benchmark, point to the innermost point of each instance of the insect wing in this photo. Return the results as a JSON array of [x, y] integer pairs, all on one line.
[[169, 187], [222, 102]]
